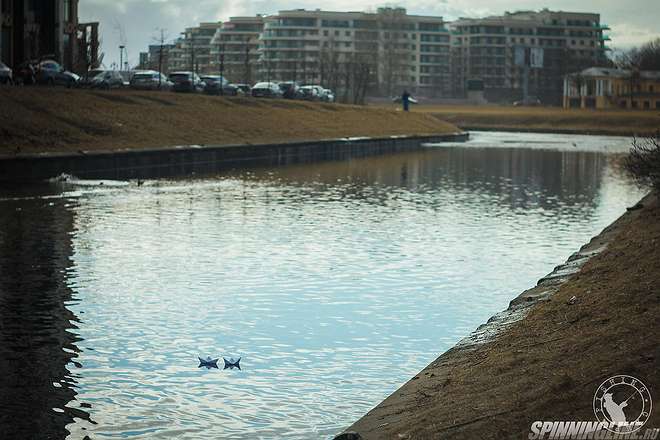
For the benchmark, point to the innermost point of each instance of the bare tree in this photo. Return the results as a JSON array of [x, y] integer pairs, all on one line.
[[395, 51], [160, 39], [643, 162], [645, 57]]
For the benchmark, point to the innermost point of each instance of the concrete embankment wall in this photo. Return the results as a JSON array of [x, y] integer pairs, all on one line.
[[186, 160]]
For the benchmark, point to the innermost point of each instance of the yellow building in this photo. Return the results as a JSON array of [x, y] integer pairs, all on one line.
[[603, 88]]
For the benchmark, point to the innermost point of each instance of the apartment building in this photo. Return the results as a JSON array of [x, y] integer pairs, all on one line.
[[192, 51], [485, 49], [400, 50], [156, 58], [235, 48], [393, 50]]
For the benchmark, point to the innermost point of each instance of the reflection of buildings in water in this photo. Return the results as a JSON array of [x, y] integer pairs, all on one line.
[[516, 177], [36, 343]]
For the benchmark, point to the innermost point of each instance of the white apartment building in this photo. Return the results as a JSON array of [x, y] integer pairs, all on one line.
[[484, 49], [401, 50], [392, 51], [235, 49], [192, 52]]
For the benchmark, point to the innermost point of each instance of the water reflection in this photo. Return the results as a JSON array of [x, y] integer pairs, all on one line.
[[321, 277], [37, 346]]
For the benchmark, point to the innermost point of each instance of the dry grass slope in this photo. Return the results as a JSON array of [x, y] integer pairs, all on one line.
[[614, 122], [53, 120]]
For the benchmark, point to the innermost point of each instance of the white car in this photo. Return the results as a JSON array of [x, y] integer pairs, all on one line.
[[328, 96], [312, 93], [5, 74]]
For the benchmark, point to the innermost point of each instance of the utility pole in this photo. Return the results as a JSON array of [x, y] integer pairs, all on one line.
[[526, 84], [247, 60], [121, 57], [160, 39], [222, 68], [192, 52]]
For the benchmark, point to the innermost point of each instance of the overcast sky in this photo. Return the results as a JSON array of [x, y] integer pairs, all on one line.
[[633, 22]]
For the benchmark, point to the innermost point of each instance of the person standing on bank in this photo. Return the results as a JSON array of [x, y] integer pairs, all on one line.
[[405, 98]]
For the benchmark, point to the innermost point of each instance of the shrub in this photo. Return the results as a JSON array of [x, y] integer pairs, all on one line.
[[643, 162]]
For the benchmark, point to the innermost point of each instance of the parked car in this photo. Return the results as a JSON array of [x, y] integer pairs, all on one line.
[[109, 79], [239, 91], [266, 89], [320, 91], [311, 93], [52, 73], [186, 82], [245, 88], [150, 80], [218, 85], [291, 90], [328, 95], [25, 73], [87, 78], [5, 74]]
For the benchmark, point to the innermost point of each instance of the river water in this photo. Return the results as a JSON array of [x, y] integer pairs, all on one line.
[[334, 282]]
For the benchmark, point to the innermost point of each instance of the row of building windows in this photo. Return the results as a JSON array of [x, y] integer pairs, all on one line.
[[384, 23], [487, 51], [525, 31], [641, 104], [227, 37], [434, 38], [493, 71], [433, 59], [433, 49], [434, 69], [289, 32], [487, 61], [487, 40]]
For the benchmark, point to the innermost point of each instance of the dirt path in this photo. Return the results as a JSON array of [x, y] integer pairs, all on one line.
[[41, 119], [548, 365]]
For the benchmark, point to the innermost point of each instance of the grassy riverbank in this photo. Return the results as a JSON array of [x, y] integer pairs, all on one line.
[[39, 119], [548, 365], [553, 120]]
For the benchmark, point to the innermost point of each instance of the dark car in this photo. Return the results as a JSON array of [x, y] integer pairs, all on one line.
[[218, 85], [149, 80], [291, 90], [87, 78], [186, 82], [267, 90], [245, 88], [109, 79], [52, 73], [5, 74], [25, 73]]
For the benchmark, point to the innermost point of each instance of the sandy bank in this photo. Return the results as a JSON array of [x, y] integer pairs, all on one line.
[[543, 119], [40, 119], [547, 365]]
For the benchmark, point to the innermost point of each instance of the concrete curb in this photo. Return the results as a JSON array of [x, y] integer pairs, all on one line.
[[198, 159]]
